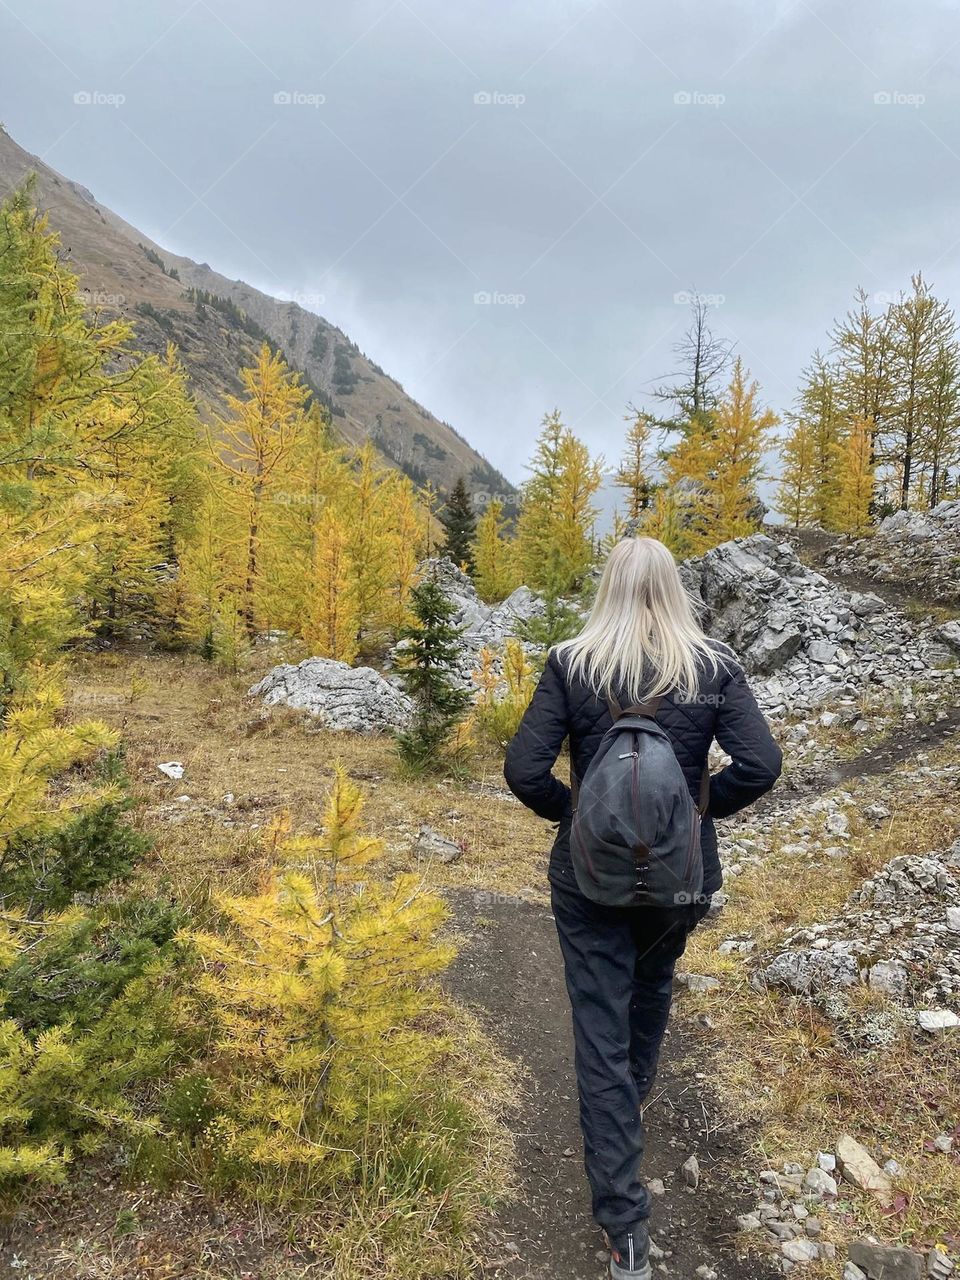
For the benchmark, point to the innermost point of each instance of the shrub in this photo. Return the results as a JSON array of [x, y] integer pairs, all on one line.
[[64, 1088], [295, 1049], [44, 871], [505, 695], [314, 994], [77, 964]]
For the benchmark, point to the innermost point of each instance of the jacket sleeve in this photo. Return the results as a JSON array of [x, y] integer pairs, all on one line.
[[535, 746], [743, 733]]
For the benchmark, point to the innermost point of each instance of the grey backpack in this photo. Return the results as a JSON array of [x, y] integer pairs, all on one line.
[[635, 835]]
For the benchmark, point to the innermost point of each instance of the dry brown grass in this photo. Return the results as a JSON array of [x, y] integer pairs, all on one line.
[[270, 760]]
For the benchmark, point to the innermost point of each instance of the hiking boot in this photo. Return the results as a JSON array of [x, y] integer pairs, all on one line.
[[630, 1254]]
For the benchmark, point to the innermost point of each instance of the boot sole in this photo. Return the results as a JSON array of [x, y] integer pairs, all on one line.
[[620, 1273]]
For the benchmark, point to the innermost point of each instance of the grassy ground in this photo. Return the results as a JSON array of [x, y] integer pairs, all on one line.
[[786, 1071], [244, 767], [270, 760]]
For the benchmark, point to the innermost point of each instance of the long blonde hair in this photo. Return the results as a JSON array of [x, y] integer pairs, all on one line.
[[642, 635]]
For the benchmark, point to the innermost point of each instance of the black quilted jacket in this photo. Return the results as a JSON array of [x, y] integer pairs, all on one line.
[[725, 709]]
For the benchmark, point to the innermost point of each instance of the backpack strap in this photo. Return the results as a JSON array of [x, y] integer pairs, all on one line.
[[649, 708]]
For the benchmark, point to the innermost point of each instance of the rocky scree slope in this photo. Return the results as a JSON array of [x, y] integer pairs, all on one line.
[[920, 550], [812, 642], [809, 643]]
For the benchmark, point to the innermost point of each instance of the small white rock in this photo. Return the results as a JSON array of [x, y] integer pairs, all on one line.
[[937, 1019], [820, 1182], [800, 1250]]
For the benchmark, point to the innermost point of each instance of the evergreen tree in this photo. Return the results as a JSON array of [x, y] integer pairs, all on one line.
[[460, 522], [427, 666]]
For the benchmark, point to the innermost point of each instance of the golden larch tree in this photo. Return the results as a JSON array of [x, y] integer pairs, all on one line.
[[633, 473], [330, 620], [255, 441], [495, 561], [554, 531], [798, 496], [855, 477]]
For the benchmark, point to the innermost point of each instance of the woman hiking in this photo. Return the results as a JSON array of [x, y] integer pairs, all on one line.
[[641, 693]]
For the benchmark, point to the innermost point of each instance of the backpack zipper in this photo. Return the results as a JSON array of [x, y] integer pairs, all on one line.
[[635, 778]]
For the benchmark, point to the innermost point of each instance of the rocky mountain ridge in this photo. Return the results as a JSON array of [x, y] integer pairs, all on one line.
[[218, 324]]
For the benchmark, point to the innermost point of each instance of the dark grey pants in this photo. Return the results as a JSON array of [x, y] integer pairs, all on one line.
[[619, 967]]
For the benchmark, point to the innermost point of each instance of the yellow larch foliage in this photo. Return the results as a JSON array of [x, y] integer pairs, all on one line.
[[252, 446], [34, 748], [720, 459], [554, 531], [494, 556], [850, 512], [330, 619], [504, 694], [801, 478], [633, 473], [314, 992]]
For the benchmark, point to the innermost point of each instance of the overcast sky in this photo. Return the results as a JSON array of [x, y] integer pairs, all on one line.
[[579, 162]]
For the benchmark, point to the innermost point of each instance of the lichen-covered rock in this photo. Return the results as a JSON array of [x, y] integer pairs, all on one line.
[[358, 699], [858, 1167], [894, 934], [431, 844], [806, 971]]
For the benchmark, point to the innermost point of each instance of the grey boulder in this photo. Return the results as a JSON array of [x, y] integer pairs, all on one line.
[[341, 697]]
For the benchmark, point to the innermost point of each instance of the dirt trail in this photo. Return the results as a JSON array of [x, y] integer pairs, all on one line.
[[509, 972], [910, 594]]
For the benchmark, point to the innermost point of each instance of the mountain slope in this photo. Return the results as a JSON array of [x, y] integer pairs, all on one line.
[[218, 323]]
